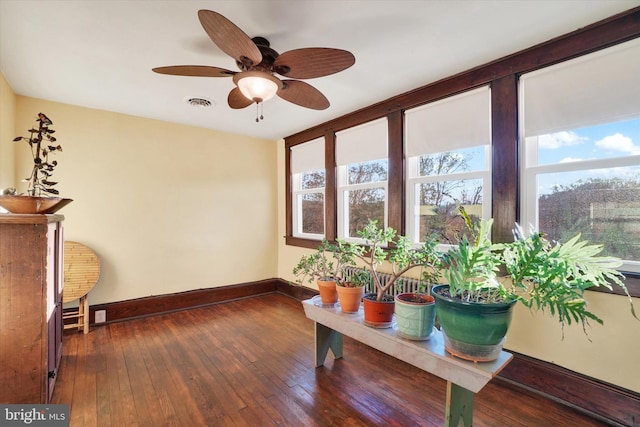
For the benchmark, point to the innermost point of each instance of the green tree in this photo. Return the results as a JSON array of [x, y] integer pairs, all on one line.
[[445, 196], [605, 211], [366, 203], [313, 203]]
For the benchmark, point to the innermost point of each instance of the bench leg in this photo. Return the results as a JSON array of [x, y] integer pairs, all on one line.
[[459, 406], [327, 338]]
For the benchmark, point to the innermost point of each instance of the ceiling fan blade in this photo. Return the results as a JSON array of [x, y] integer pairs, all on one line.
[[312, 62], [229, 38], [194, 71], [237, 100], [303, 94]]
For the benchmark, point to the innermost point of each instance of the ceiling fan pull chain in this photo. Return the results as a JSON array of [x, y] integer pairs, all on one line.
[[259, 108]]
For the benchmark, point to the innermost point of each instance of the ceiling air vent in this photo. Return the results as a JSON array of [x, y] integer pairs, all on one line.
[[199, 102]]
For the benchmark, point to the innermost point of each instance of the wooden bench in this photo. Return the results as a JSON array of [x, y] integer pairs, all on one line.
[[464, 378]]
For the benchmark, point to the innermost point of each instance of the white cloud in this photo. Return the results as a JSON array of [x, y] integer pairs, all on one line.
[[559, 139], [570, 159], [618, 142]]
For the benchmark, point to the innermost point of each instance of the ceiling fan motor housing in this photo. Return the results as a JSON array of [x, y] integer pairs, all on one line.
[[269, 56]]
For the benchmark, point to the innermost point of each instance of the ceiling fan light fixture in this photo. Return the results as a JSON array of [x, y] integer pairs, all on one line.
[[257, 86]]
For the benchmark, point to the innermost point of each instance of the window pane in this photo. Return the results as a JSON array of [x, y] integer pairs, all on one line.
[[365, 204], [312, 205], [602, 204], [438, 204], [590, 143], [313, 180], [362, 173], [464, 160]]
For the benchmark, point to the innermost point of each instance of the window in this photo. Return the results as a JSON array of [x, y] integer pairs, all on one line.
[[581, 132], [362, 173], [308, 189], [448, 163]]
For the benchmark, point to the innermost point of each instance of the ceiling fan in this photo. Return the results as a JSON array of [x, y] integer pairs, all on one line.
[[258, 62]]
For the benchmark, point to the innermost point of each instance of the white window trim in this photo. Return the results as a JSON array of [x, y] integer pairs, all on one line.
[[413, 220], [529, 184], [556, 100], [343, 202], [296, 206]]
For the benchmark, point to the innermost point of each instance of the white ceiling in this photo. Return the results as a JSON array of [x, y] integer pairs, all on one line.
[[99, 54]]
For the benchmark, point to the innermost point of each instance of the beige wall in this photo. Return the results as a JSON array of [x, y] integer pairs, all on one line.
[[167, 208], [170, 208], [7, 133], [611, 356]]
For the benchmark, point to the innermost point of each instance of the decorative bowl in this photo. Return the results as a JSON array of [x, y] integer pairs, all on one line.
[[32, 204]]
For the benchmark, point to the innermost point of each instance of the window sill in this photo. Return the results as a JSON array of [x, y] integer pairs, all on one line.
[[632, 281], [303, 243]]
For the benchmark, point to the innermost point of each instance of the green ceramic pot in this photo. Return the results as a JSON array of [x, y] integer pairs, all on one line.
[[415, 315], [474, 331]]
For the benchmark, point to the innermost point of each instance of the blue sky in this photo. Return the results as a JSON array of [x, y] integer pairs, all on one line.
[[597, 142], [618, 139], [612, 140]]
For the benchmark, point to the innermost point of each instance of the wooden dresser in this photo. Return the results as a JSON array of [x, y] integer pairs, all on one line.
[[31, 270]]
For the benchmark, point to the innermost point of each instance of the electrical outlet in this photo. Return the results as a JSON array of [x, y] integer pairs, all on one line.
[[101, 316]]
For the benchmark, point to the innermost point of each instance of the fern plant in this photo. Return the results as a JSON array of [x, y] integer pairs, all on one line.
[[541, 274]]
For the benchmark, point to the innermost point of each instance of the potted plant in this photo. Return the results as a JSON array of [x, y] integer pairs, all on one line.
[[402, 257], [325, 267], [41, 194], [351, 290], [474, 309], [415, 315]]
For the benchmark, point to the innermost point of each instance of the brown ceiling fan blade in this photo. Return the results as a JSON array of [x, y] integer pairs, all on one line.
[[312, 62], [303, 94], [229, 38], [194, 71], [237, 100]]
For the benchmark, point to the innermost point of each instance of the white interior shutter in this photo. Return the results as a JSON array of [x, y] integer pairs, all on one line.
[[362, 143], [460, 121], [598, 88], [308, 156]]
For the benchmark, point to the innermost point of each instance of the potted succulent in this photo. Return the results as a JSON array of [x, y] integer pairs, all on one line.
[[41, 195], [325, 266], [402, 257], [485, 280], [351, 290]]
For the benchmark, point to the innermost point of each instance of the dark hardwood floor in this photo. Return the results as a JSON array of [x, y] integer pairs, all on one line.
[[250, 363]]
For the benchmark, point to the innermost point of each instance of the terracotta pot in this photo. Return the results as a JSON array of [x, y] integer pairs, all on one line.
[[328, 293], [350, 298], [378, 314]]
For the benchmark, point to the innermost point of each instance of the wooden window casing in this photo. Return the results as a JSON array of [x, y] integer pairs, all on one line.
[[502, 75]]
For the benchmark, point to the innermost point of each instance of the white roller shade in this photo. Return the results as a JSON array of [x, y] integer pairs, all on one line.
[[308, 156], [362, 143], [460, 121], [594, 89]]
